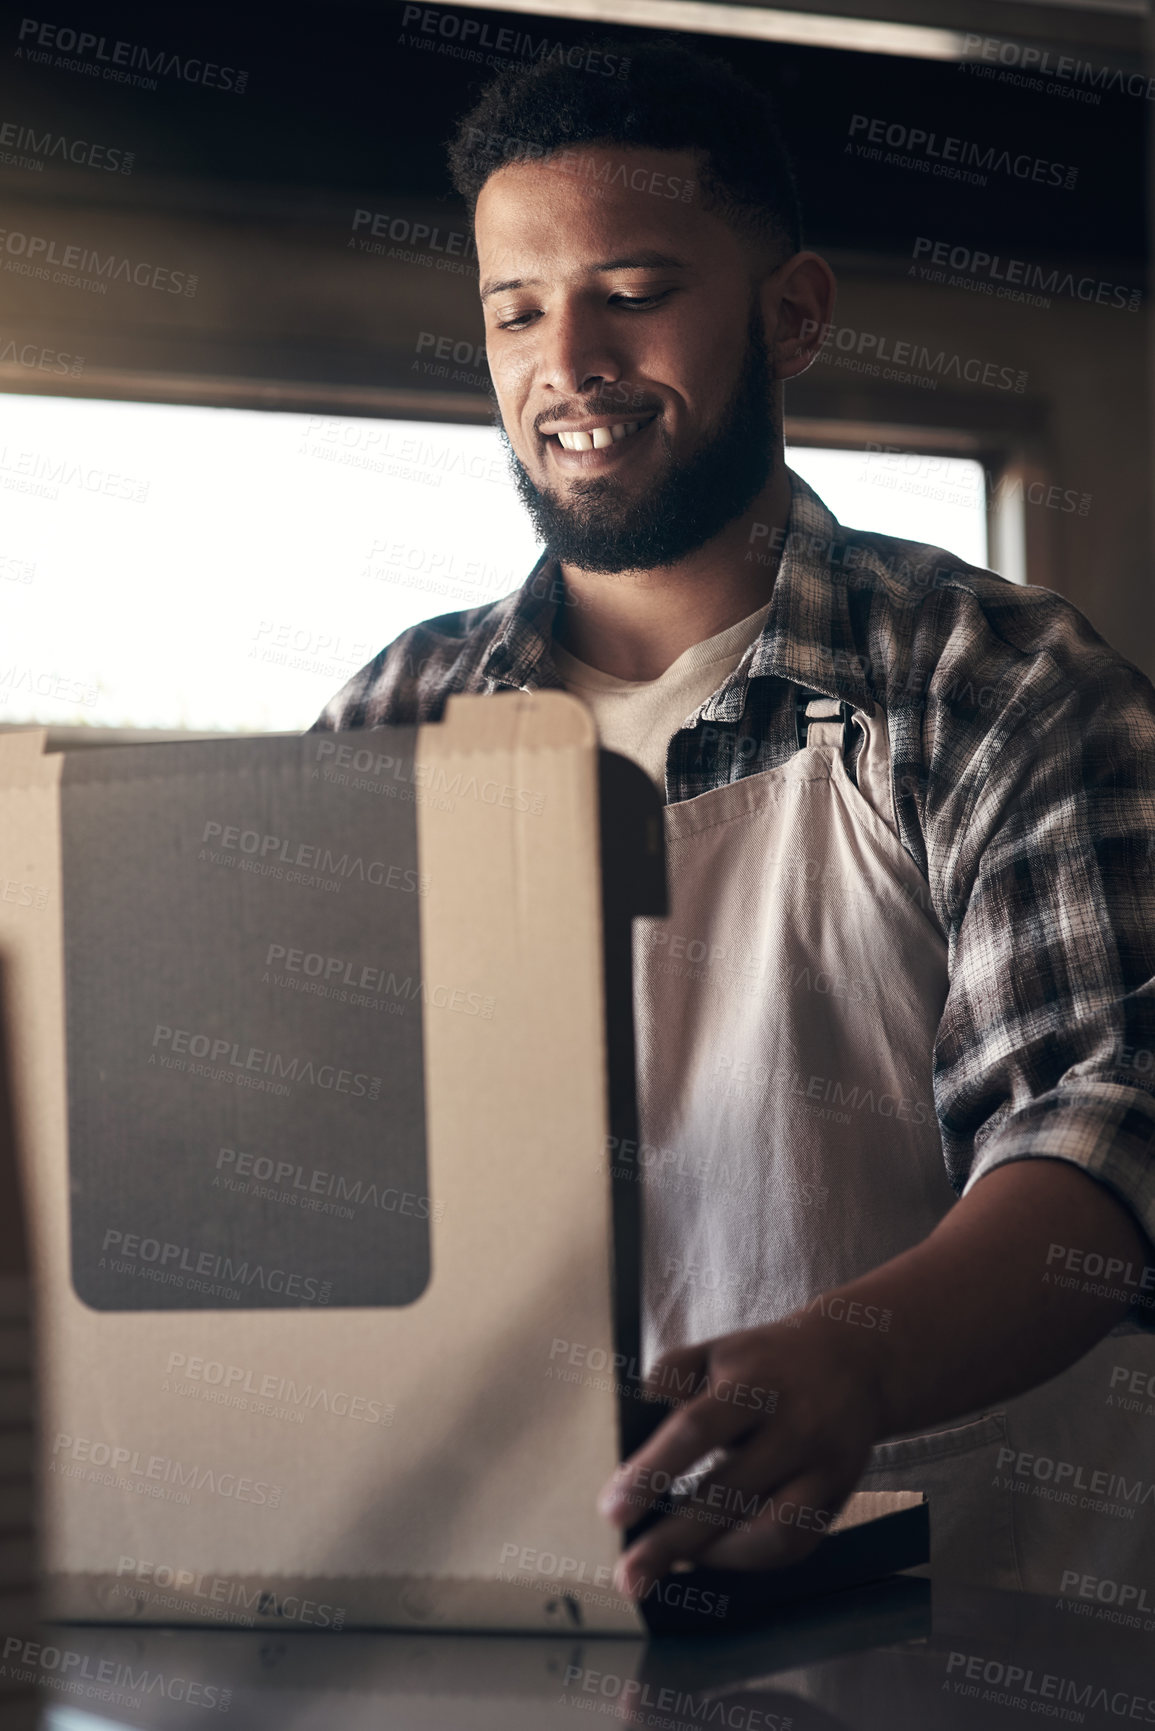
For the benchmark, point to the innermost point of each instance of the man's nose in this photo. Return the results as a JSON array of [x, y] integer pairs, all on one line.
[[579, 354]]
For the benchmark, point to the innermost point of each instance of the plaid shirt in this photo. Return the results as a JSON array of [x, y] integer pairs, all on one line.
[[1023, 768]]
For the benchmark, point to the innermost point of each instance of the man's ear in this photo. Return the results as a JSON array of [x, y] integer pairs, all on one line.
[[798, 306]]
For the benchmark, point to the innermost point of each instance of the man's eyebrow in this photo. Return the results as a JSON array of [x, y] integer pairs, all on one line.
[[650, 260]]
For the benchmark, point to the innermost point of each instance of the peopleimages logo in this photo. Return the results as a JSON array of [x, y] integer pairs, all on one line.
[[63, 1668], [24, 895], [600, 170], [55, 685], [38, 358], [666, 1707], [237, 1380], [1105, 1591], [42, 146], [939, 154], [1110, 1276], [949, 479], [1100, 1486], [911, 362], [432, 777], [162, 1469], [50, 473], [841, 1309], [219, 1591], [272, 852], [742, 1076], [1140, 1386], [356, 982], [95, 55], [553, 1566], [231, 1054], [1016, 275], [581, 1356], [422, 236], [1021, 1686], [317, 1184], [1047, 70], [77, 265], [468, 38], [129, 1253]]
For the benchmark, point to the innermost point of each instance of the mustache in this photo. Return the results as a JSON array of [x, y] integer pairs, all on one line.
[[624, 401]]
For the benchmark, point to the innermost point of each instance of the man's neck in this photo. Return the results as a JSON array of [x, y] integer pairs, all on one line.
[[635, 624]]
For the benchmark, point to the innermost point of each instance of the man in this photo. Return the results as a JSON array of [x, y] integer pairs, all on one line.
[[909, 810]]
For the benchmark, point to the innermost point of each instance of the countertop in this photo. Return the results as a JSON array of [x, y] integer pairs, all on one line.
[[898, 1655]]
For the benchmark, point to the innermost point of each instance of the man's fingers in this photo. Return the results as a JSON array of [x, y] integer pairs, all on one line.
[[725, 1500], [789, 1525], [678, 1444], [677, 1375], [745, 1529]]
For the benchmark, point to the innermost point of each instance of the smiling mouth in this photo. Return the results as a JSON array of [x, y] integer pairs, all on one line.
[[598, 438]]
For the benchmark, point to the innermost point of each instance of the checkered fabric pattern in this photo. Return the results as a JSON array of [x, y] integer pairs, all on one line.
[[1023, 767]]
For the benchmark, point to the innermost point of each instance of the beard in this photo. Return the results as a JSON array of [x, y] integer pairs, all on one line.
[[599, 525]]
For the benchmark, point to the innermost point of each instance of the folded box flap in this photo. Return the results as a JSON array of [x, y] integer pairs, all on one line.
[[518, 720]]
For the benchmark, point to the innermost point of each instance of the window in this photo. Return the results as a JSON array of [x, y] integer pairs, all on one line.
[[205, 568], [918, 496]]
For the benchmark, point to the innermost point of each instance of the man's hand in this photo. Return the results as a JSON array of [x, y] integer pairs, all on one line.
[[794, 1407], [976, 1316]]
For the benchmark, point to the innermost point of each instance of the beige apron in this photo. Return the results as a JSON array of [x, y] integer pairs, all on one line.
[[786, 1016]]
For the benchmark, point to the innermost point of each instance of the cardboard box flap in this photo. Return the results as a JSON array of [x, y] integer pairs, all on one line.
[[524, 721]]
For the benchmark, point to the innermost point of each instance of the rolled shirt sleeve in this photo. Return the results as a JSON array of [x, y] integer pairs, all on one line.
[[1046, 852]]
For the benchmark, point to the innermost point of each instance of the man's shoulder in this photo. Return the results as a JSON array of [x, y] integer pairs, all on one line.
[[907, 574], [930, 615], [412, 678]]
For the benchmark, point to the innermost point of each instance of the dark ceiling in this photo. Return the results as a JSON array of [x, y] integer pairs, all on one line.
[[335, 104]]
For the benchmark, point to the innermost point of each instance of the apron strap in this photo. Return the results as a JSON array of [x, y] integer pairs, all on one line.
[[830, 710]]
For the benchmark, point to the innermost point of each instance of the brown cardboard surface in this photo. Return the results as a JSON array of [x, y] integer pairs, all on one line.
[[491, 1463], [863, 1506], [19, 1546]]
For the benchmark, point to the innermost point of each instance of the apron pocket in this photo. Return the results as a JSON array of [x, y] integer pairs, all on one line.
[[972, 1538]]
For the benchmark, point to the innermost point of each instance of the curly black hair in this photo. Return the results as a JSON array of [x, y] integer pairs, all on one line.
[[671, 99]]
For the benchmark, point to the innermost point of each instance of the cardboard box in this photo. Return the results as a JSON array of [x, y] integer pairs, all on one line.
[[320, 1044], [327, 1221], [19, 1559]]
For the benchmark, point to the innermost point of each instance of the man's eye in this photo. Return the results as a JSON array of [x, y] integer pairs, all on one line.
[[520, 320]]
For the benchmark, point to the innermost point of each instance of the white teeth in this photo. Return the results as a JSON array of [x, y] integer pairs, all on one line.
[[598, 437]]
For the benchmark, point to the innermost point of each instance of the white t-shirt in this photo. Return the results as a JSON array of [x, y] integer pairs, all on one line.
[[638, 718]]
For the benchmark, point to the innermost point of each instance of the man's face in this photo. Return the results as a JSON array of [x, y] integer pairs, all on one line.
[[627, 322]]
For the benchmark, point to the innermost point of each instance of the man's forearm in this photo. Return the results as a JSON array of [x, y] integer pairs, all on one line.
[[982, 1309]]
